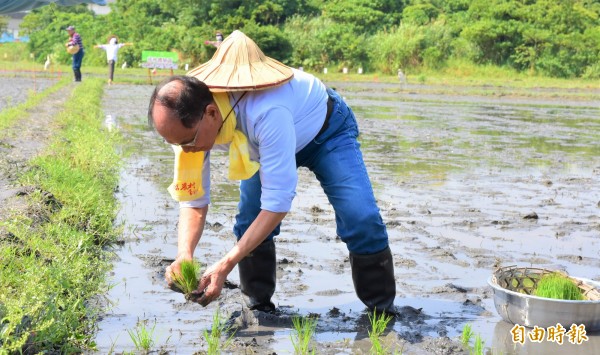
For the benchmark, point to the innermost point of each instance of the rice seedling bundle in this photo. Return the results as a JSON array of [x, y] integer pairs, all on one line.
[[187, 281], [557, 286]]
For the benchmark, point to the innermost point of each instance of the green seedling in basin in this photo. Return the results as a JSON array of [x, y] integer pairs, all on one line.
[[558, 286], [187, 280]]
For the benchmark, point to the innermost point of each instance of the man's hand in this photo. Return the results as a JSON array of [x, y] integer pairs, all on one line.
[[175, 267], [211, 282]]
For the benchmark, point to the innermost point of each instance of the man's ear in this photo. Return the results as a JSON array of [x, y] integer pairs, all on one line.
[[212, 111]]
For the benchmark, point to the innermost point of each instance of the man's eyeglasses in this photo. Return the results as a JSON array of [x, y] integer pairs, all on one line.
[[193, 142]]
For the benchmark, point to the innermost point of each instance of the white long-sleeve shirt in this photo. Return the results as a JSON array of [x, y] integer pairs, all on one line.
[[278, 123], [111, 50]]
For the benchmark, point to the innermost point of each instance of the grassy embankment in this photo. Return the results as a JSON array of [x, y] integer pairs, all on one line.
[[53, 261]]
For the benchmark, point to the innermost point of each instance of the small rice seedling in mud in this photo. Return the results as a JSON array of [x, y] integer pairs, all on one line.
[[111, 351], [304, 329], [187, 280], [142, 336], [218, 329], [558, 286], [379, 322], [478, 347], [465, 338], [467, 334]]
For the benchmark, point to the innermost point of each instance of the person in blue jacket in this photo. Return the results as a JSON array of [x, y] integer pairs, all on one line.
[[75, 47]]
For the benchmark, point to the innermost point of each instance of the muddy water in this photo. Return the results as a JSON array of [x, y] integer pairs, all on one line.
[[454, 175]]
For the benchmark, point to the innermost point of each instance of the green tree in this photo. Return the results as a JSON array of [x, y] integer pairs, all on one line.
[[267, 13], [410, 46], [46, 29], [557, 38], [307, 50], [495, 29], [550, 36], [420, 14], [270, 12], [362, 16], [271, 41]]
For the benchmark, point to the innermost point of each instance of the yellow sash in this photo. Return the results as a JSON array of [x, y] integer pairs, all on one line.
[[187, 177]]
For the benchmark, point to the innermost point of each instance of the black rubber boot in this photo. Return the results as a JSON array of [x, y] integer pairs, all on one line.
[[77, 73], [374, 282], [257, 277]]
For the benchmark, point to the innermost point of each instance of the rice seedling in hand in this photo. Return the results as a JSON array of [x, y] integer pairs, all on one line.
[[558, 286], [304, 329], [379, 322], [187, 281], [213, 338], [142, 337]]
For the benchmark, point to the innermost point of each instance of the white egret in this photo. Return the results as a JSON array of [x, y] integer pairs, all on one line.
[[401, 77], [47, 63]]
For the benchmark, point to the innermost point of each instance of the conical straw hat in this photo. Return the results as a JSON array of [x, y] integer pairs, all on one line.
[[239, 65]]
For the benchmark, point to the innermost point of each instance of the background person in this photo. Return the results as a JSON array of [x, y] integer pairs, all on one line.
[[217, 42], [75, 40], [112, 49], [272, 122]]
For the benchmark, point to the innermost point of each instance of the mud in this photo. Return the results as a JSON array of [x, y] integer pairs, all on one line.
[[458, 178]]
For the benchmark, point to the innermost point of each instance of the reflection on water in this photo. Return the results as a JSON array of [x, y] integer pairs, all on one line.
[[422, 137]]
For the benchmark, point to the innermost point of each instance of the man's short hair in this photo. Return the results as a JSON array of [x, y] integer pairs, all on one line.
[[186, 103]]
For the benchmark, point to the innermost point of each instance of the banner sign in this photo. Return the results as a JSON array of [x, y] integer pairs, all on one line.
[[159, 60]]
